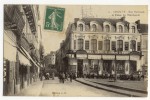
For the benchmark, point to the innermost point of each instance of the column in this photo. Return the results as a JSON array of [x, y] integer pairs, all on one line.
[[138, 66], [123, 45], [113, 67], [127, 67], [110, 45], [100, 67], [136, 45]]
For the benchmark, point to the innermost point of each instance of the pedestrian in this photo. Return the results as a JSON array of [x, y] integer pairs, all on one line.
[[41, 76], [60, 77], [63, 77], [53, 75], [67, 75], [71, 76]]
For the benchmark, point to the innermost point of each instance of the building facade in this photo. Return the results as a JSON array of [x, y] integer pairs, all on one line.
[[49, 60], [101, 46], [21, 56]]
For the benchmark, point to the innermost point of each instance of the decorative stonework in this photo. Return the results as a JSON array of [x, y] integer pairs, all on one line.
[[94, 37], [119, 37], [107, 37], [133, 37]]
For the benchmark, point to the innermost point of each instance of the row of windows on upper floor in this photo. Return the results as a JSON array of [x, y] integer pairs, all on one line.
[[107, 28], [107, 45]]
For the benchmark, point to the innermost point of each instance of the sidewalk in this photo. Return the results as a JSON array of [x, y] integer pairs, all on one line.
[[129, 88], [139, 86], [33, 89]]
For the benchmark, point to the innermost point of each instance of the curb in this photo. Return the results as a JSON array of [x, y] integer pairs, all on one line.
[[126, 94], [119, 87]]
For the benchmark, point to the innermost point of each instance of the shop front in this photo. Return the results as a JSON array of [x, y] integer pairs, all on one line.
[[81, 56], [10, 50], [100, 64]]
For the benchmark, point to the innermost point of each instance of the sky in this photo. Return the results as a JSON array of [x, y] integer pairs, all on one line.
[[51, 39]]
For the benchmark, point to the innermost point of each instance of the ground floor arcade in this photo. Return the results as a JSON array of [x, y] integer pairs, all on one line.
[[98, 65]]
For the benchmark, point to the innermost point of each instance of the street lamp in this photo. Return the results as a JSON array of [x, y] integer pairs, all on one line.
[[115, 78]]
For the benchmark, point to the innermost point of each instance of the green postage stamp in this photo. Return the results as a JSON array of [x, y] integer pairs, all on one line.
[[54, 18]]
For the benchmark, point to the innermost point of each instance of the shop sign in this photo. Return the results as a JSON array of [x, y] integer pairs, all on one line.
[[94, 56], [108, 57], [81, 56], [4, 71]]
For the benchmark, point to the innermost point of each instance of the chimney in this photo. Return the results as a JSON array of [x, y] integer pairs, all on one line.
[[76, 19], [138, 22], [123, 18]]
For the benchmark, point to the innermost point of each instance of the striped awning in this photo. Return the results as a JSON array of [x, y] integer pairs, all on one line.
[[23, 60], [29, 57]]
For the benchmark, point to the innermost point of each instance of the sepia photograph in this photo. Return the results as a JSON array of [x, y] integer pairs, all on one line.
[[75, 50]]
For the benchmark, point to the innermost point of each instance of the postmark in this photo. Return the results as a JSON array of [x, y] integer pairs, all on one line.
[[54, 19]]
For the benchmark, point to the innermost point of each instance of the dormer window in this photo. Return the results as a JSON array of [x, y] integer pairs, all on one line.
[[73, 27], [133, 29], [120, 29], [94, 28], [80, 27], [107, 28]]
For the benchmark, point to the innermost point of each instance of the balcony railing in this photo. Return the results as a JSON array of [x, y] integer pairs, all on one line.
[[30, 16]]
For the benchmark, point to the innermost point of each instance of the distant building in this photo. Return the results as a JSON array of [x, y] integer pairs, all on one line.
[[93, 44], [49, 59], [49, 62]]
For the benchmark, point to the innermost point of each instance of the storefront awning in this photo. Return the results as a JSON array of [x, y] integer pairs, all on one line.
[[23, 60], [9, 46], [29, 56]]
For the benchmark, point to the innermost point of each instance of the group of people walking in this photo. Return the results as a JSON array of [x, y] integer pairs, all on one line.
[[65, 77], [62, 76]]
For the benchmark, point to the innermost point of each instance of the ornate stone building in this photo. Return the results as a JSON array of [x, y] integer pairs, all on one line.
[[99, 45]]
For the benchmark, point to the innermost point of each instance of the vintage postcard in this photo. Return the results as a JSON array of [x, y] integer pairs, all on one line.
[[75, 50]]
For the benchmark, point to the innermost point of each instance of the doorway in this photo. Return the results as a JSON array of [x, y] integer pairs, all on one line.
[[80, 68]]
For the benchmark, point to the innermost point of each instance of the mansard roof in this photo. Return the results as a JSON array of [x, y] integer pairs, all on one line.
[[143, 28], [101, 20]]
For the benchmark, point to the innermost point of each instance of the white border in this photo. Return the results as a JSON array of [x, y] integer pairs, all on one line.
[[66, 2]]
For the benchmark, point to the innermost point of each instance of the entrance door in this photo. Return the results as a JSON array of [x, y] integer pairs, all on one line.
[[80, 68], [133, 66], [107, 66]]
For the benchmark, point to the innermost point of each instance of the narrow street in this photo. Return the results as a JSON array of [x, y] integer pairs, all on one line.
[[54, 88]]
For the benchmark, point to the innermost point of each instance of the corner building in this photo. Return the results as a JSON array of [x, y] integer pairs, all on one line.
[[97, 45]]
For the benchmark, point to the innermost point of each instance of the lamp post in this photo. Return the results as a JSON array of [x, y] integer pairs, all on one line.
[[115, 78], [116, 52]]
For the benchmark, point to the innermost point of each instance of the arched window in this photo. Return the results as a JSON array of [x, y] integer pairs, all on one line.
[[80, 27], [80, 44], [120, 29], [133, 29], [107, 28], [94, 28], [94, 44]]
